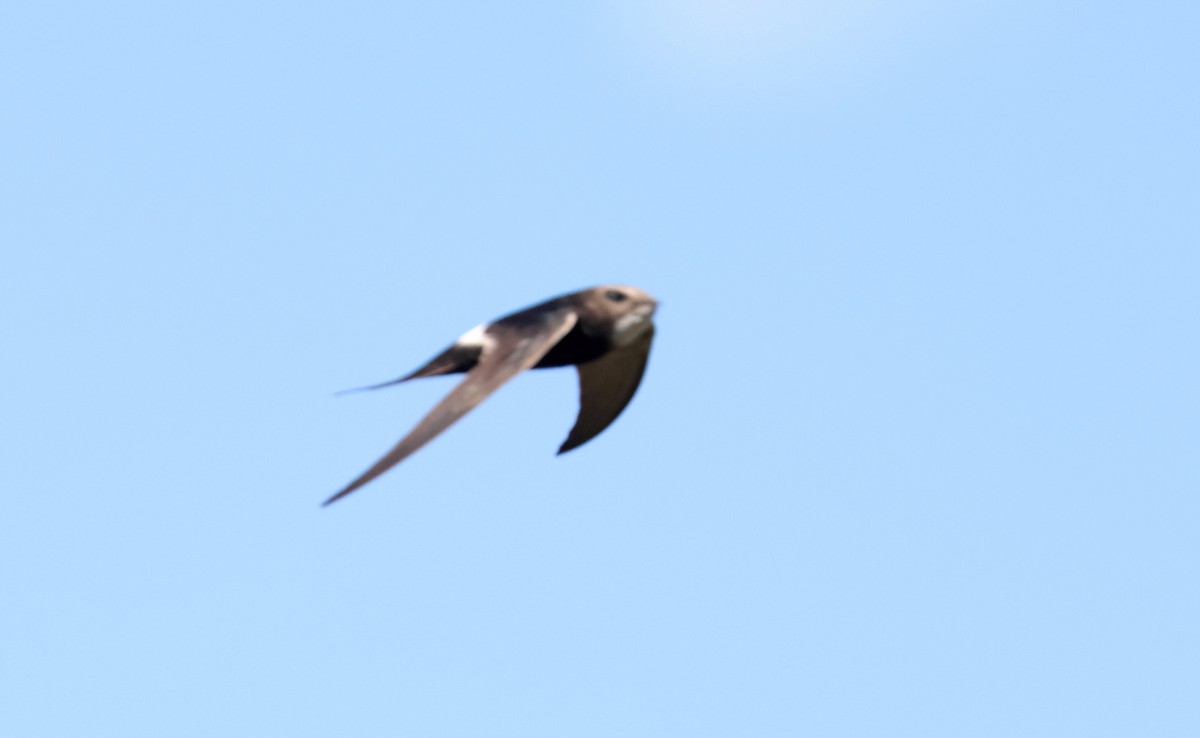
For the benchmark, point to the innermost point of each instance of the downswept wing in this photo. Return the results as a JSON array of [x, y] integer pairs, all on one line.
[[514, 348], [606, 386]]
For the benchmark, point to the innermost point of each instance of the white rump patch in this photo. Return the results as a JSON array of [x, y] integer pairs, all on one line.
[[477, 337]]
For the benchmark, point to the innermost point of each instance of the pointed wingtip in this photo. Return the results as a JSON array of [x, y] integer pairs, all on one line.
[[381, 385], [339, 495]]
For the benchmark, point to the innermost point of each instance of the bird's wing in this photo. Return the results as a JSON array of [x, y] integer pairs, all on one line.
[[606, 386], [513, 349]]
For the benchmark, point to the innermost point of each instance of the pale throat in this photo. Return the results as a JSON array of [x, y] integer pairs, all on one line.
[[632, 326]]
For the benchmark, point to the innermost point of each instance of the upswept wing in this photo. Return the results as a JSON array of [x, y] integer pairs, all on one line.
[[606, 386]]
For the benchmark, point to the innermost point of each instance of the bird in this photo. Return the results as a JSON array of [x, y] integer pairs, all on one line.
[[604, 332]]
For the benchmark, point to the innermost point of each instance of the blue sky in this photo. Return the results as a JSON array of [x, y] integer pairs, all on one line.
[[916, 454]]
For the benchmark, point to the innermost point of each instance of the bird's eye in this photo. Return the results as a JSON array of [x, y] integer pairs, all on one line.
[[616, 296]]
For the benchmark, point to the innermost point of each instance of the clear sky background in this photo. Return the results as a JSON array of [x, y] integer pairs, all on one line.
[[916, 454]]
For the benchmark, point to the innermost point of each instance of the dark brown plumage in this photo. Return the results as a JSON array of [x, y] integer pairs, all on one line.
[[604, 331]]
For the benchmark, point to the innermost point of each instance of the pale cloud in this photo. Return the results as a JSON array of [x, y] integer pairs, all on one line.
[[733, 29], [764, 40]]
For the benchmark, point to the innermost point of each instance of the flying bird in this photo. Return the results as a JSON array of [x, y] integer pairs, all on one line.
[[604, 332]]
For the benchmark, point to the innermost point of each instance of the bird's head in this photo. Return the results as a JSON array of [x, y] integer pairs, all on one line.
[[627, 309]]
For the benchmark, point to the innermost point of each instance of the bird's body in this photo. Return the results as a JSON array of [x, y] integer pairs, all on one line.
[[604, 331]]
